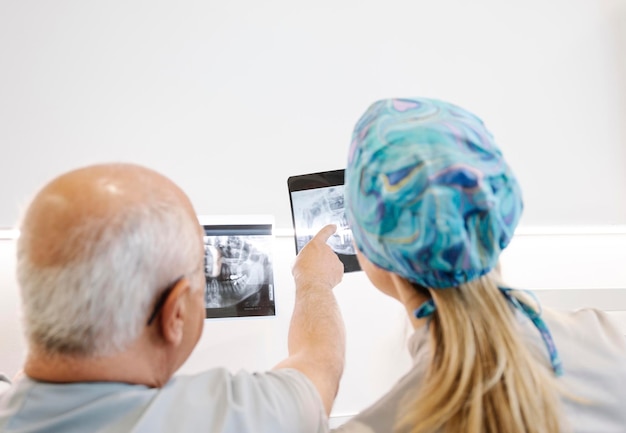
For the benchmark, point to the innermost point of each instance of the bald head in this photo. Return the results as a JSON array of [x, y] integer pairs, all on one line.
[[96, 245], [98, 193]]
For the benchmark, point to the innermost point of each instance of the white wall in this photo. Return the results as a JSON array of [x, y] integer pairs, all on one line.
[[566, 271], [230, 98]]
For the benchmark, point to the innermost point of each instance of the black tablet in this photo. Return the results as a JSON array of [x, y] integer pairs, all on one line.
[[317, 200]]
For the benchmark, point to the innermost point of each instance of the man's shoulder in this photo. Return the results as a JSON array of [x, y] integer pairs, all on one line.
[[216, 400], [270, 379]]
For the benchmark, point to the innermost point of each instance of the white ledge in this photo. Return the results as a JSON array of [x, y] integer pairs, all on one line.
[[607, 229], [281, 232], [9, 234]]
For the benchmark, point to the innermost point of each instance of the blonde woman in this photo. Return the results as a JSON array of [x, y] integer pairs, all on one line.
[[432, 203]]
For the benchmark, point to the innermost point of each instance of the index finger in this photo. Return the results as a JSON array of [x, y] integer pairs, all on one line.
[[324, 233]]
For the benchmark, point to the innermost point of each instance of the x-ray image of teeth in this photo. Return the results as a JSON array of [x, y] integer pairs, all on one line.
[[239, 277], [315, 208]]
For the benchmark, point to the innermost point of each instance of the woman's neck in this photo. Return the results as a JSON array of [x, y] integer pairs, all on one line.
[[411, 298]]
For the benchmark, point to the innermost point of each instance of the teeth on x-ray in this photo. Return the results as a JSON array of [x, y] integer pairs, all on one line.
[[235, 269], [328, 208]]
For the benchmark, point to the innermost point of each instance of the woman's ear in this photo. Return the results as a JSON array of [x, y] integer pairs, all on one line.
[[174, 312]]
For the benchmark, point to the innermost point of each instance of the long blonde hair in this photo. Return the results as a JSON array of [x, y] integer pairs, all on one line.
[[482, 378]]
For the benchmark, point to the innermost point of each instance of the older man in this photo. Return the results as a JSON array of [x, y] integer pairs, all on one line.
[[111, 272]]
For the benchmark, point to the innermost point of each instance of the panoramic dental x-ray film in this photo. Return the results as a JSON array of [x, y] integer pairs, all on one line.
[[238, 269]]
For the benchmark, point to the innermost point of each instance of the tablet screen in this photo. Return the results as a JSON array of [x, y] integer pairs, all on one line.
[[316, 200]]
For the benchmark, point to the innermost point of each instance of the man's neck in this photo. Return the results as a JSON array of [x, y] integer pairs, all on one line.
[[132, 366]]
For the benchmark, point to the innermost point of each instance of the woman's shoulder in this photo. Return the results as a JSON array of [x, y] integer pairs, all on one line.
[[587, 333], [585, 322]]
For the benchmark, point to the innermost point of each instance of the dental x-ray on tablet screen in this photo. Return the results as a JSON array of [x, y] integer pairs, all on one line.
[[316, 200]]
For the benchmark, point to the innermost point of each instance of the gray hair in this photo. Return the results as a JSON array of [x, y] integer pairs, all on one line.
[[98, 302]]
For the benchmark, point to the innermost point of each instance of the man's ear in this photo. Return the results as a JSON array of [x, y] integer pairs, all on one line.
[[174, 312]]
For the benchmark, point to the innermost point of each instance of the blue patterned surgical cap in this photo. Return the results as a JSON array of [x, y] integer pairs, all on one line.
[[428, 193]]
